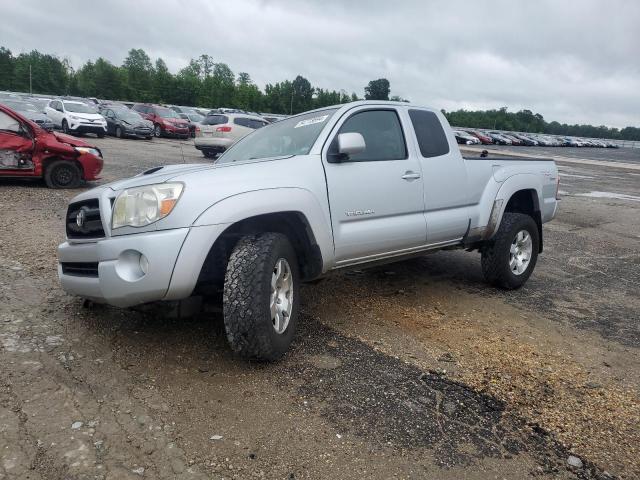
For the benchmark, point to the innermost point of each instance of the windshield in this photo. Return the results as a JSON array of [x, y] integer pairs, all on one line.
[[167, 113], [194, 117], [293, 136], [78, 107], [128, 115]]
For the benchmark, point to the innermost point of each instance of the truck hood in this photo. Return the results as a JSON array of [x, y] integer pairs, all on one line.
[[69, 140], [87, 116], [157, 175]]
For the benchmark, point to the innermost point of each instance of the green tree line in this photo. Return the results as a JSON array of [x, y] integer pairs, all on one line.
[[206, 83], [203, 82]]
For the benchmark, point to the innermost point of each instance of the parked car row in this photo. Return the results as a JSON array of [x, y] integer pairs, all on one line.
[[77, 116], [495, 137]]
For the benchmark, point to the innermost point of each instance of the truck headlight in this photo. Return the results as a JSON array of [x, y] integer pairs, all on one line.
[[140, 206]]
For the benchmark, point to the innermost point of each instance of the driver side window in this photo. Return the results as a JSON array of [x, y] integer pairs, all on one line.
[[382, 133], [9, 124]]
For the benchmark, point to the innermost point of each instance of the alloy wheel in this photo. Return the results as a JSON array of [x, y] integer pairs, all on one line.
[[281, 303]]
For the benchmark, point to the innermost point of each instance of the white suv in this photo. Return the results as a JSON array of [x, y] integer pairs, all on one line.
[[219, 131], [76, 117]]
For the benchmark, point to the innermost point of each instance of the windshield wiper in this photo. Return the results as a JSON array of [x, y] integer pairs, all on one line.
[[277, 157]]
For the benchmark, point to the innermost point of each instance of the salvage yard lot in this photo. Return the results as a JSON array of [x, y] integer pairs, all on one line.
[[413, 370]]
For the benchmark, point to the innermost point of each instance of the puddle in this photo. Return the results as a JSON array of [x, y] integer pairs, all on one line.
[[617, 196], [575, 176]]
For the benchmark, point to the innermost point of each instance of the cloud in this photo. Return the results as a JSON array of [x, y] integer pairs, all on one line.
[[574, 61]]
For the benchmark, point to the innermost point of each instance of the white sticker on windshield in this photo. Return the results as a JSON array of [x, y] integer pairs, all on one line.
[[311, 121]]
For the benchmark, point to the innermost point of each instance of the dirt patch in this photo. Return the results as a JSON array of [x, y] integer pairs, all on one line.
[[499, 351]]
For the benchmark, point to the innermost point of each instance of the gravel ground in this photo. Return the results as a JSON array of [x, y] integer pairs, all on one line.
[[413, 370]]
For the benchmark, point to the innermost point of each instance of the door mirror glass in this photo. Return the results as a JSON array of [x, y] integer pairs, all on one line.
[[351, 143], [25, 131]]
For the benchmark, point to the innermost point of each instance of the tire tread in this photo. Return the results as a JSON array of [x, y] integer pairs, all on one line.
[[494, 268], [245, 292]]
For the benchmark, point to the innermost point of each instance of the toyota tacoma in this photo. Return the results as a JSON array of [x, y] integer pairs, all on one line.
[[329, 189]]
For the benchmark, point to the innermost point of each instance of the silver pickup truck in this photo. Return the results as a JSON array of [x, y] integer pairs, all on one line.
[[336, 187]]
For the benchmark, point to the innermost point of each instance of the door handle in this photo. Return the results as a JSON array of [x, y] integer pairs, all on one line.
[[409, 175]]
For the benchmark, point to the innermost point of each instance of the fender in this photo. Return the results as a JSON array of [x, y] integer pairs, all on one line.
[[244, 205], [512, 184]]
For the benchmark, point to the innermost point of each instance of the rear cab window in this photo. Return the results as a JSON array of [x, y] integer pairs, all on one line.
[[253, 123], [215, 120], [429, 132]]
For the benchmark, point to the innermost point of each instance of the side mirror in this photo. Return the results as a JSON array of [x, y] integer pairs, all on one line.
[[351, 143], [24, 131]]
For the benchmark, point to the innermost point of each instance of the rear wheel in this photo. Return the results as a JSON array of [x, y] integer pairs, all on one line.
[[510, 258], [260, 299], [62, 174], [65, 127], [118, 132]]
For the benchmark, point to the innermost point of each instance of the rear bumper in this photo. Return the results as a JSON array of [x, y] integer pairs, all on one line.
[[213, 143]]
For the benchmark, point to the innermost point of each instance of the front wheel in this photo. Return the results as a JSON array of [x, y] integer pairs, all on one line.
[[157, 131], [62, 174], [118, 132], [260, 298], [510, 258], [100, 134]]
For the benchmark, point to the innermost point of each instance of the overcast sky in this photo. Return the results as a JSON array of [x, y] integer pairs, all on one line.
[[575, 61]]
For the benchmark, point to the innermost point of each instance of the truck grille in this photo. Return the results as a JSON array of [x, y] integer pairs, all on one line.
[[80, 269], [87, 224]]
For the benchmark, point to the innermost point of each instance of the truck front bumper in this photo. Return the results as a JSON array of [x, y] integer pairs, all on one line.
[[134, 269]]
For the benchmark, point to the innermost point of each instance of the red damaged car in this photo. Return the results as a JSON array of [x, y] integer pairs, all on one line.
[[28, 151]]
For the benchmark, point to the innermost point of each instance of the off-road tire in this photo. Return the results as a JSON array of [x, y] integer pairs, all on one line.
[[247, 292], [495, 254], [62, 174]]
